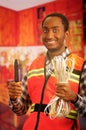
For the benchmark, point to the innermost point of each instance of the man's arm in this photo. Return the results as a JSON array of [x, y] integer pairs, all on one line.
[[19, 100], [80, 104], [79, 100]]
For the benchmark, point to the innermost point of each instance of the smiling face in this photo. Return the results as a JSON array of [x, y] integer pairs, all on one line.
[[54, 34]]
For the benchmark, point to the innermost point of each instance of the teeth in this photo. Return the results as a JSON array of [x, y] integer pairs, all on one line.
[[50, 41]]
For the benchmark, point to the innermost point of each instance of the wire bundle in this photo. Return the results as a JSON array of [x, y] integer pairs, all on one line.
[[57, 107], [62, 68]]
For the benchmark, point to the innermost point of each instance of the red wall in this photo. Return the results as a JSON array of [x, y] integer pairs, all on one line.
[[8, 30], [23, 28]]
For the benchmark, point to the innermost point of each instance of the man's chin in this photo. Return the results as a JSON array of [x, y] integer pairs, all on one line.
[[52, 49]]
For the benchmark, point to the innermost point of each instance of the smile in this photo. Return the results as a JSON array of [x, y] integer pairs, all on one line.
[[50, 42]]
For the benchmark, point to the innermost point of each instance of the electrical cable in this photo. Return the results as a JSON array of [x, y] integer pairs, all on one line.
[[63, 68]]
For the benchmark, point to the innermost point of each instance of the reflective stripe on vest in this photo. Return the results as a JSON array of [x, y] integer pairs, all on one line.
[[35, 72], [40, 72], [72, 115], [74, 78]]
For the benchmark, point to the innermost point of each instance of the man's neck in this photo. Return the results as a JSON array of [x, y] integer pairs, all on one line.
[[51, 54]]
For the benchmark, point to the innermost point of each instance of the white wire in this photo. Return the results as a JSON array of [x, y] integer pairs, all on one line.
[[57, 108], [62, 68]]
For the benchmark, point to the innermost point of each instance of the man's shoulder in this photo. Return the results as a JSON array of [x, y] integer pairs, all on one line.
[[76, 57], [39, 58], [38, 62], [79, 61]]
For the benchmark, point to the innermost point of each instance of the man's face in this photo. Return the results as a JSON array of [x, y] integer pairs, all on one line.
[[53, 34]]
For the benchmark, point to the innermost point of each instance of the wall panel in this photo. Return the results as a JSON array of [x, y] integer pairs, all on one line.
[[8, 36]]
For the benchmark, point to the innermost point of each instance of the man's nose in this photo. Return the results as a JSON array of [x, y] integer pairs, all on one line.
[[50, 34]]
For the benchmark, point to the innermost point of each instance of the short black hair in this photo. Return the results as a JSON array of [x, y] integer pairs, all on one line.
[[64, 19]]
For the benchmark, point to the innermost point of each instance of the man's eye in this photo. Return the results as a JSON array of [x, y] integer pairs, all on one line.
[[55, 30], [45, 30]]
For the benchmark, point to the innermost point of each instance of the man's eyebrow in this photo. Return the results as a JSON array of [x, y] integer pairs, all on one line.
[[51, 27]]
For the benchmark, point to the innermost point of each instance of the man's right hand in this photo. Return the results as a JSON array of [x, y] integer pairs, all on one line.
[[14, 89]]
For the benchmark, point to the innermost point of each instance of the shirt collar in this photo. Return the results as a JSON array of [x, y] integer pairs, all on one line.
[[64, 54]]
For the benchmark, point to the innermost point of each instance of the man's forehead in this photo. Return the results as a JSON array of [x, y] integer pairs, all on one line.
[[52, 21]]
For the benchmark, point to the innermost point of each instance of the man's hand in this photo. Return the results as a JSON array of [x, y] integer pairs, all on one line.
[[64, 91], [14, 89]]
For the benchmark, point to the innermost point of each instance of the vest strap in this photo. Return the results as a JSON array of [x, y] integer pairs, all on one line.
[[34, 108]]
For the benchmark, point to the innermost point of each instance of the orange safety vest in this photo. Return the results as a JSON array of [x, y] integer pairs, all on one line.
[[36, 80]]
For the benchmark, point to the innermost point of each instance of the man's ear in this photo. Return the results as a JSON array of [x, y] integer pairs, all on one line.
[[67, 33], [67, 38]]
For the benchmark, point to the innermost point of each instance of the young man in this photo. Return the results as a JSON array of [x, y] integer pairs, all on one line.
[[40, 85]]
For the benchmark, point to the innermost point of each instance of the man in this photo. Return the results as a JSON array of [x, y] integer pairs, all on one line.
[[40, 85]]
